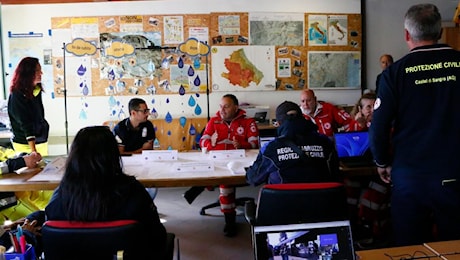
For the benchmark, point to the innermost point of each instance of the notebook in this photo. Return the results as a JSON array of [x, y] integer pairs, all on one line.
[[353, 149], [322, 240]]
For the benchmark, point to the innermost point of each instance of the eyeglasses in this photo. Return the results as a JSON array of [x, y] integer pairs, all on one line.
[[145, 111]]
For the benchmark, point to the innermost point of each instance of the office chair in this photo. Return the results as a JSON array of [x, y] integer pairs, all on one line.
[[241, 201], [194, 191], [296, 203], [289, 203], [119, 239]]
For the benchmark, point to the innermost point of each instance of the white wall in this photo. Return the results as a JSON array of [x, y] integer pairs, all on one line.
[[385, 30], [25, 18]]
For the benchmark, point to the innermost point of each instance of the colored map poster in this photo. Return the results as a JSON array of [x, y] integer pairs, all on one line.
[[334, 69], [338, 31], [243, 68], [280, 29], [317, 30]]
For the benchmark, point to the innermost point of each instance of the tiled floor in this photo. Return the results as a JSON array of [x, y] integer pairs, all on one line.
[[201, 237]]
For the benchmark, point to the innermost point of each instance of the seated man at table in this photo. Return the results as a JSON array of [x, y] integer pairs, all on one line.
[[230, 129], [298, 154], [326, 116], [136, 133]]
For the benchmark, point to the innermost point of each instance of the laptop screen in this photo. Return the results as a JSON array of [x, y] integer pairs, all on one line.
[[351, 144], [322, 240]]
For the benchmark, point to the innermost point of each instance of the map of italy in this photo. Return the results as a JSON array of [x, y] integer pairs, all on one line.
[[241, 71]]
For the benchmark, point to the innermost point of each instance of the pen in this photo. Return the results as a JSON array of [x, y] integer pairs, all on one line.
[[14, 242], [22, 243], [18, 232]]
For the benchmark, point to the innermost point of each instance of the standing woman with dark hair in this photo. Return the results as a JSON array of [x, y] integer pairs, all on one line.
[[29, 127], [25, 108]]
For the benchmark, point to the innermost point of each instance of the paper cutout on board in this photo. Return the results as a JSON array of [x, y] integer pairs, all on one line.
[[181, 90], [182, 121], [192, 130], [80, 47], [191, 71], [168, 118], [191, 101], [193, 47], [197, 81], [198, 110]]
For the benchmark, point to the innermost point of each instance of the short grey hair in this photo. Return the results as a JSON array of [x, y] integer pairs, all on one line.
[[423, 22]]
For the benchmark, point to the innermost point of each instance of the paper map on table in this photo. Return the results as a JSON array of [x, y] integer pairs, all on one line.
[[53, 171]]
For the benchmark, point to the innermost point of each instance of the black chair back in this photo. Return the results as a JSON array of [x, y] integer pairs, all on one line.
[[290, 203], [93, 240]]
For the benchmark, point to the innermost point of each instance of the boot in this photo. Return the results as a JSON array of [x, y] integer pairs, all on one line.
[[230, 228], [191, 194]]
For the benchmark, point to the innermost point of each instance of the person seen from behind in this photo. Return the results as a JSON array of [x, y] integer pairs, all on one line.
[[414, 135]]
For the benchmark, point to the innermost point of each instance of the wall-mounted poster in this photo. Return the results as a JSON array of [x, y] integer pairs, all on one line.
[[229, 29], [243, 68], [291, 67], [317, 30], [334, 69], [280, 29]]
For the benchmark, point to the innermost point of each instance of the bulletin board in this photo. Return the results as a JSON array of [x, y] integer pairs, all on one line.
[[178, 85], [256, 51], [151, 64]]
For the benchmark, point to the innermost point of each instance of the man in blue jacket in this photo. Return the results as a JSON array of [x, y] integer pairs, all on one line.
[[415, 132], [298, 154]]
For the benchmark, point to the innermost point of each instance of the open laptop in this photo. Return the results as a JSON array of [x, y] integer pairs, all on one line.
[[260, 117], [353, 149], [322, 240]]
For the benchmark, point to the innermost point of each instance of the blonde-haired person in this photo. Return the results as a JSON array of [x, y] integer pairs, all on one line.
[[362, 112]]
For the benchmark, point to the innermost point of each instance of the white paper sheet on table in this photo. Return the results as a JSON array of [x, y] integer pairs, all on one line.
[[193, 167], [228, 154], [159, 155], [236, 167], [53, 171]]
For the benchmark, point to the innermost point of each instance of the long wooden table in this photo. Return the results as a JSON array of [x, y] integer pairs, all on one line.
[[404, 252], [157, 174], [160, 174], [447, 250]]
